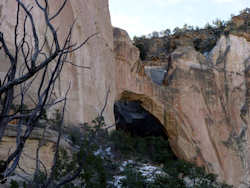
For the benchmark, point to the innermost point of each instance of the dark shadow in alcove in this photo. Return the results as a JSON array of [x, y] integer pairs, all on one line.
[[131, 117]]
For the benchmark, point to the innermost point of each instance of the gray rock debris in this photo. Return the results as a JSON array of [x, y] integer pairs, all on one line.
[[157, 74]]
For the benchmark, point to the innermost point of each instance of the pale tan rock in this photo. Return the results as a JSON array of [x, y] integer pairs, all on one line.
[[203, 103], [88, 86], [27, 161]]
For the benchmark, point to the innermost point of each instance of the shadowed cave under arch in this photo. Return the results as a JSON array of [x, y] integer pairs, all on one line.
[[131, 117]]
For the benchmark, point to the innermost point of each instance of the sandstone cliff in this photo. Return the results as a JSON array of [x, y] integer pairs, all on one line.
[[46, 138], [203, 102], [89, 87]]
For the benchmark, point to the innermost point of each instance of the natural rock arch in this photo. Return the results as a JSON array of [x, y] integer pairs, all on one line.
[[134, 114]]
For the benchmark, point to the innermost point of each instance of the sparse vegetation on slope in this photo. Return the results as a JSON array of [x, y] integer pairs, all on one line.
[[120, 160], [159, 45]]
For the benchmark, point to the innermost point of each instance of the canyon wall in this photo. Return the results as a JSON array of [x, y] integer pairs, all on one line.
[[39, 137], [89, 86], [202, 101]]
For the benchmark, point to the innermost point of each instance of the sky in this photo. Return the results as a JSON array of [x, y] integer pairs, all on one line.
[[141, 17]]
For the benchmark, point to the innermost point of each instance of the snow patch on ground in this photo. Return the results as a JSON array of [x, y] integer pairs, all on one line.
[[149, 171], [103, 152]]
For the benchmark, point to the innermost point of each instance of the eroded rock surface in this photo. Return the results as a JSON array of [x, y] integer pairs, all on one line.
[[89, 86], [203, 102], [27, 162]]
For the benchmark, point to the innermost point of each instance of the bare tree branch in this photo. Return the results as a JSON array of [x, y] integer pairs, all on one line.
[[31, 64]]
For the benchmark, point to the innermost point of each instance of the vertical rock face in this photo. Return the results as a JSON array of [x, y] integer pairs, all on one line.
[[203, 102], [28, 159], [89, 87], [211, 108]]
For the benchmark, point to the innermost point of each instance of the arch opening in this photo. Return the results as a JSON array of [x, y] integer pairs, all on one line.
[[132, 117]]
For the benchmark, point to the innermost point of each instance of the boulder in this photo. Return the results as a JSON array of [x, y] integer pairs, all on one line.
[[157, 74]]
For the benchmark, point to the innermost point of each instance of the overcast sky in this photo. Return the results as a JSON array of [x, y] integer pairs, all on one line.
[[141, 17]]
